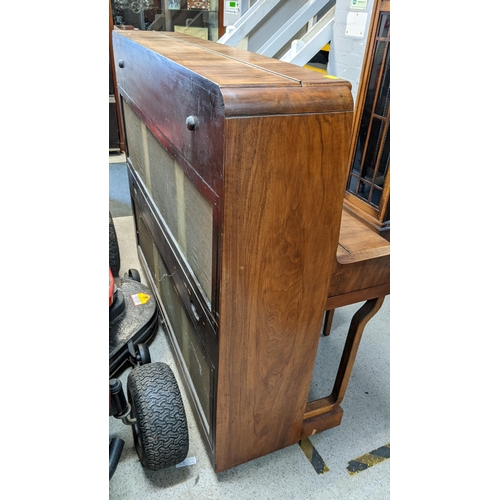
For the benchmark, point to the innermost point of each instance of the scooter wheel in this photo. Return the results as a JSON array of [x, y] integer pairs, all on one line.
[[114, 251], [133, 274], [160, 431], [144, 354]]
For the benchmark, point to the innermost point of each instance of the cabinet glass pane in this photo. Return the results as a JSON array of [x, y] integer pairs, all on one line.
[[353, 184], [384, 160], [382, 106], [198, 18], [369, 165], [373, 176], [137, 13], [375, 197], [378, 63], [384, 25]]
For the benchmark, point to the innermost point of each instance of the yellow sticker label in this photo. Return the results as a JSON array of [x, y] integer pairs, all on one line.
[[140, 298]]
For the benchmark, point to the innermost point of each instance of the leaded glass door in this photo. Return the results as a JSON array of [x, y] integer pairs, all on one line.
[[367, 190]]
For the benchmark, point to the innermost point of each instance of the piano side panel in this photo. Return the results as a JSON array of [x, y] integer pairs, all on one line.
[[281, 218]]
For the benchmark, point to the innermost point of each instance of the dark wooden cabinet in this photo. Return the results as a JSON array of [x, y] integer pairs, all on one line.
[[116, 135], [237, 169]]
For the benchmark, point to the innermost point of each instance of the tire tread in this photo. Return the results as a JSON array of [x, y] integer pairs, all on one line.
[[161, 418]]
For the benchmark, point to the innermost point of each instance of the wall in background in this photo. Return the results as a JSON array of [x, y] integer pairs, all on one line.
[[350, 33]]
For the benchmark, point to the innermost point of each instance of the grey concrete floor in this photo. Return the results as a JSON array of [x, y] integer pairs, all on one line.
[[286, 473]]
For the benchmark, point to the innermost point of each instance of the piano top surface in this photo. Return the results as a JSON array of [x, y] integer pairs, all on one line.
[[228, 66]]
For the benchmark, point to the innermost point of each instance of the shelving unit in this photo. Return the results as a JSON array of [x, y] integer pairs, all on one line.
[[197, 18], [199, 22]]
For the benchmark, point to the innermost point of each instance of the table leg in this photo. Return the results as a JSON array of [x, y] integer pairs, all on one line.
[[328, 322], [325, 413]]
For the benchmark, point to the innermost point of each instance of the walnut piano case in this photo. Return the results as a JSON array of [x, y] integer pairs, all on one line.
[[237, 166]]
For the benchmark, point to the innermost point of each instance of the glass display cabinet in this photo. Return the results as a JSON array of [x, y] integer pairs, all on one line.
[[198, 18], [138, 14], [367, 190]]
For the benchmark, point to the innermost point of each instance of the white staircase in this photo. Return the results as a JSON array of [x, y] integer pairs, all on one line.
[[291, 30]]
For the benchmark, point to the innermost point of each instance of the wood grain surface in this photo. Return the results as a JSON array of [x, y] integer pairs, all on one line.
[[269, 153], [282, 189], [227, 66]]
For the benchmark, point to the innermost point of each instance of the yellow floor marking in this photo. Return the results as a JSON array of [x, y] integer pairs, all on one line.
[[313, 456], [369, 459]]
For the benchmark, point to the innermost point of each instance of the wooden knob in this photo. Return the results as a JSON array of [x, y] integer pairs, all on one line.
[[191, 122]]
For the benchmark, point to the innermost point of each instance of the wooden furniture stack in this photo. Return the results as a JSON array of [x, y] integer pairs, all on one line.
[[237, 166]]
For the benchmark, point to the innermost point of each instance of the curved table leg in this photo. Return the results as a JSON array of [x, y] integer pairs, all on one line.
[[328, 322], [326, 412]]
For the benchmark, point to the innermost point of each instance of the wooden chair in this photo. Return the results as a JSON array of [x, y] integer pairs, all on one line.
[[361, 273]]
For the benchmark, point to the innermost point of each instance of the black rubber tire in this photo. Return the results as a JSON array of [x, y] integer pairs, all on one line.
[[134, 274], [160, 433], [114, 251], [144, 354]]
